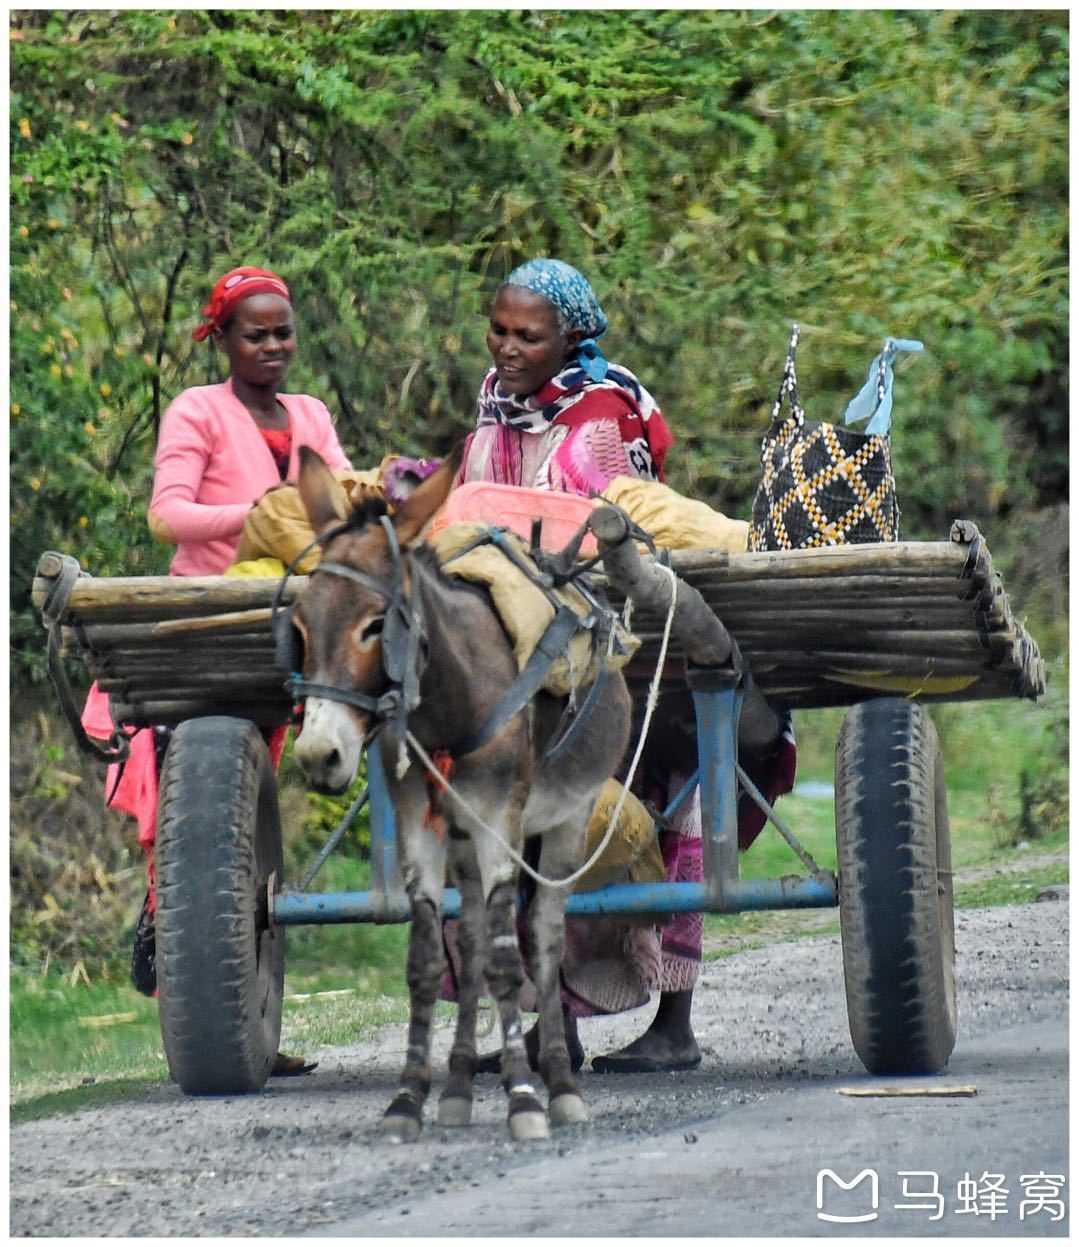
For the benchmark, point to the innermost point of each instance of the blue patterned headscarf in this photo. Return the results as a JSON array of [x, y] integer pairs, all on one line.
[[562, 285]]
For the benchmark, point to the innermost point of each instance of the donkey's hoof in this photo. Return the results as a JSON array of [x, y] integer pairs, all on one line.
[[567, 1110], [395, 1128], [454, 1111], [402, 1120], [527, 1120], [529, 1126]]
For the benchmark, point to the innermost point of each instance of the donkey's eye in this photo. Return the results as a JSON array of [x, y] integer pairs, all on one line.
[[369, 633]]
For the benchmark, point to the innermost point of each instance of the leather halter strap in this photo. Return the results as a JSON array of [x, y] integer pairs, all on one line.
[[402, 639]]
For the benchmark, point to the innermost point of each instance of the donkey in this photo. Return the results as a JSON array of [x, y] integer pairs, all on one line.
[[378, 593]]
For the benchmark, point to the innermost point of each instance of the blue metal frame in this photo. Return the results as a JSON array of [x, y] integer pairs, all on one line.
[[717, 711]]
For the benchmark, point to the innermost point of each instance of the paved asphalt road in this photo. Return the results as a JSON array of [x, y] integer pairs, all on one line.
[[753, 1170], [729, 1150]]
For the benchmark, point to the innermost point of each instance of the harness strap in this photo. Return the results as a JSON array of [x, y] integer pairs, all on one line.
[[580, 718], [554, 640], [351, 573], [544, 581], [299, 688]]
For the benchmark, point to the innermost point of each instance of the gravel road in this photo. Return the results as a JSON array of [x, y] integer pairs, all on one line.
[[733, 1148]]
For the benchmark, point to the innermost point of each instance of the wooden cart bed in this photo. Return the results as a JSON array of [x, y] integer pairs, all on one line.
[[929, 620]]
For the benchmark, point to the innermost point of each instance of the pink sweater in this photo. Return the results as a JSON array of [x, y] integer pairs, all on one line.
[[213, 464]]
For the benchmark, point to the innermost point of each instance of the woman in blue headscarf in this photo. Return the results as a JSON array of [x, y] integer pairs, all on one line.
[[553, 413]]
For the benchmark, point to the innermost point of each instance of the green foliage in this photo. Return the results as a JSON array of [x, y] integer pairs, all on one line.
[[76, 877], [718, 174], [311, 818], [1044, 782]]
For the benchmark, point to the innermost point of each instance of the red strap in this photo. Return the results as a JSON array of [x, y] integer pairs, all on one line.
[[432, 817]]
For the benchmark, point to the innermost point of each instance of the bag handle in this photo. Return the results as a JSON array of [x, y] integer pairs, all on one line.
[[788, 387]]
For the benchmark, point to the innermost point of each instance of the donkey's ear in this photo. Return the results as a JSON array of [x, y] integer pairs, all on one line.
[[323, 495], [425, 499]]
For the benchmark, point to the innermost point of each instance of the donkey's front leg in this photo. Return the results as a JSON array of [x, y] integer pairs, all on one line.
[[423, 866], [505, 975], [455, 1103], [559, 856], [505, 971]]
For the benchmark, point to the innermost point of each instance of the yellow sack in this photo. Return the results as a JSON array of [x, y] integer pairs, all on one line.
[[674, 521], [524, 609], [633, 854], [277, 525], [257, 567]]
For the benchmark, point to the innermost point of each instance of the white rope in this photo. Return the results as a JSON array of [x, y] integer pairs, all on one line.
[[649, 709]]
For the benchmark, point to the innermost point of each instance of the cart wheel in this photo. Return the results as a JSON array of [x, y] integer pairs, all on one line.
[[220, 965], [895, 888]]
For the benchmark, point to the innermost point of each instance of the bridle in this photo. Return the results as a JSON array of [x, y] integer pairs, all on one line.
[[404, 639]]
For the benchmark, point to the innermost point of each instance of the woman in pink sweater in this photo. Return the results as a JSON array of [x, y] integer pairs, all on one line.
[[220, 449]]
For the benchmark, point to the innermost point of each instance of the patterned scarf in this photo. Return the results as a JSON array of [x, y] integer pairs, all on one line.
[[561, 401], [568, 289]]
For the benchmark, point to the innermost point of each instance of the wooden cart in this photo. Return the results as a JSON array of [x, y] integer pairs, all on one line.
[[882, 629]]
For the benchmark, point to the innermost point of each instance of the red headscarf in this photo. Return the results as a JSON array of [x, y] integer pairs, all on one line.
[[231, 290]]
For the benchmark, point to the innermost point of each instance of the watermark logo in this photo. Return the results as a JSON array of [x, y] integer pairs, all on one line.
[[873, 1192], [919, 1190], [922, 1185]]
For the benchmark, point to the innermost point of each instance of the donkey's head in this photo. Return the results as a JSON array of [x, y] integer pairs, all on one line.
[[352, 612]]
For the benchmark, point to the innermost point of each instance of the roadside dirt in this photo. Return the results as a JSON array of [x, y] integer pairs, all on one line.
[[304, 1157]]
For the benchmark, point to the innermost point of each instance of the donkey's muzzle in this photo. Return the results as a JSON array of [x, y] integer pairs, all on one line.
[[330, 745]]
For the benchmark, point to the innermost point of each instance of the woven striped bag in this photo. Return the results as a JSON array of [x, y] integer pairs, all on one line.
[[821, 484]]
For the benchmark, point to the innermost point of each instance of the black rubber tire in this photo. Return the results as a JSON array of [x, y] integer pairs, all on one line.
[[220, 966], [895, 888]]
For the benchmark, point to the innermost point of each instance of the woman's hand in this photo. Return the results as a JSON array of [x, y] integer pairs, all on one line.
[[279, 485]]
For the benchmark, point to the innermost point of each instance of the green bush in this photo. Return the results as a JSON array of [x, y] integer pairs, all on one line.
[[1044, 782]]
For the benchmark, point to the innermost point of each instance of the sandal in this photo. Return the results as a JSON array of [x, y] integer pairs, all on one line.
[[291, 1066], [626, 1061]]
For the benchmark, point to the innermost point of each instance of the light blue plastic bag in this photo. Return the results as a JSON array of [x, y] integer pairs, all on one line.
[[873, 402]]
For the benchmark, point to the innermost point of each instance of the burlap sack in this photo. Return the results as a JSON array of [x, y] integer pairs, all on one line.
[[277, 525], [524, 609], [633, 854], [674, 521]]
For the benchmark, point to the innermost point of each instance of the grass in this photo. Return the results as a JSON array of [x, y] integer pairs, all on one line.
[[77, 1044], [70, 1055]]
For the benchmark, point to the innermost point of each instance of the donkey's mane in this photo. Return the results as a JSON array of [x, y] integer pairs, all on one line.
[[369, 508]]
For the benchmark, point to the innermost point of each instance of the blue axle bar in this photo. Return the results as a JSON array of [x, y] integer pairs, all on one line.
[[299, 908]]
